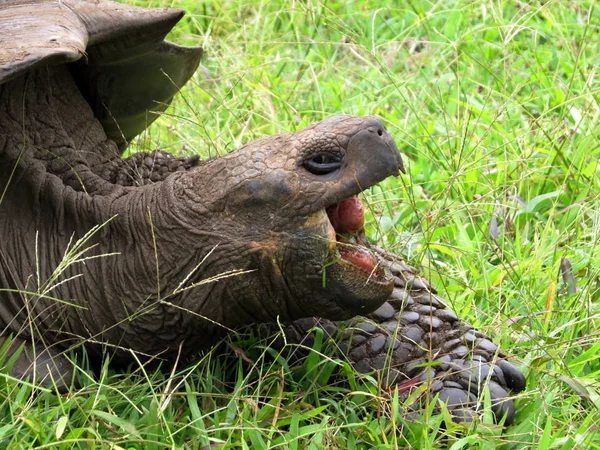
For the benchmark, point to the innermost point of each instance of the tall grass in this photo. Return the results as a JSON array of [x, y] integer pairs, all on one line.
[[495, 107]]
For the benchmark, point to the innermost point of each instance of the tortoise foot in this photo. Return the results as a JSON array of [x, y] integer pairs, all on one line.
[[414, 340]]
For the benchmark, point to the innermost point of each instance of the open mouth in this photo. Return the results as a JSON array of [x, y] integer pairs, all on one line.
[[349, 244]]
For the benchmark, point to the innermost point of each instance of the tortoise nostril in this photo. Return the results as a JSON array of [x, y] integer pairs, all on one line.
[[377, 128]]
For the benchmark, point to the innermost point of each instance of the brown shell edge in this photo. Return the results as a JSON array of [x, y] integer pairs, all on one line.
[[124, 67]]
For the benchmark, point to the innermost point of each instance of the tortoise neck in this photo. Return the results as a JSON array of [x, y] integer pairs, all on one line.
[[50, 199], [165, 258]]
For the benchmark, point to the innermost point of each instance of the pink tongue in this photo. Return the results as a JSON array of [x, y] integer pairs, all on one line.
[[347, 216], [358, 257]]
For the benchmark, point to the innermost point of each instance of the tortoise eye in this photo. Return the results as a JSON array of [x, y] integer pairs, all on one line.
[[323, 163]]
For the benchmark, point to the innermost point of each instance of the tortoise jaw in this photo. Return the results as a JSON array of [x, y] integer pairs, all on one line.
[[361, 283]]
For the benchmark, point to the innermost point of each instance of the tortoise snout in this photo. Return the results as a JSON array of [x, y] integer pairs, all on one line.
[[379, 136], [376, 126]]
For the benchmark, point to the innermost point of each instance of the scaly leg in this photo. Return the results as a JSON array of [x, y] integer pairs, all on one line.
[[144, 168], [414, 339]]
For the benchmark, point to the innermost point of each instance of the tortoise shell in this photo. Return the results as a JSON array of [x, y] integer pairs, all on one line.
[[117, 54]]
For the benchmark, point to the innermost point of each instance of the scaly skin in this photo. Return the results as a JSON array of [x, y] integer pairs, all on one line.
[[413, 328], [144, 168], [142, 284], [414, 339]]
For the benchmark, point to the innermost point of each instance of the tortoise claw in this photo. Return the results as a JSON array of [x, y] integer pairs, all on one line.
[[513, 376]]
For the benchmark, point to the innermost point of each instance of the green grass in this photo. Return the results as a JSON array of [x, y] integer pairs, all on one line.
[[495, 107]]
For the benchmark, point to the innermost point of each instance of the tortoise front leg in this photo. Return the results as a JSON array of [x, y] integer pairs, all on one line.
[[414, 339], [144, 168]]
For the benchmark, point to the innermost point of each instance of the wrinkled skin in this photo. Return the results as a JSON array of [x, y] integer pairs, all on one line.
[[412, 329], [257, 212]]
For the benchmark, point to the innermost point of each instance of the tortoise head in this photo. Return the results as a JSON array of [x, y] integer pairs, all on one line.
[[289, 202]]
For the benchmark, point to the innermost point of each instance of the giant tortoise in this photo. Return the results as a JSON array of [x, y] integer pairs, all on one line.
[[162, 255]]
